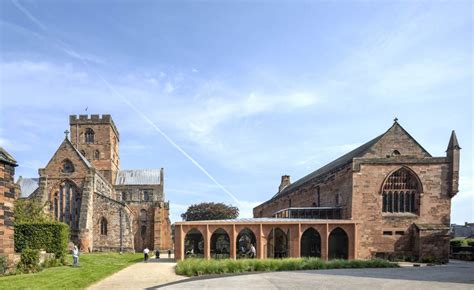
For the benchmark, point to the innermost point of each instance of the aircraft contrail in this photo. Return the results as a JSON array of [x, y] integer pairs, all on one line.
[[67, 49]]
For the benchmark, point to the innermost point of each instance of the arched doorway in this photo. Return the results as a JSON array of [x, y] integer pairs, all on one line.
[[310, 243], [245, 240], [338, 244], [194, 244], [220, 244], [277, 244]]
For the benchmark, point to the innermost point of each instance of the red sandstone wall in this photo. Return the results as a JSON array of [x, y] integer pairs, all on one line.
[[339, 182], [434, 207], [8, 194]]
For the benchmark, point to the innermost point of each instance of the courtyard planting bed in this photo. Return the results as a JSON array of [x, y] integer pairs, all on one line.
[[197, 267], [93, 267]]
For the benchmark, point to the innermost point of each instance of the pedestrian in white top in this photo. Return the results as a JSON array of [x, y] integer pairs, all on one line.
[[145, 252], [253, 252], [75, 256]]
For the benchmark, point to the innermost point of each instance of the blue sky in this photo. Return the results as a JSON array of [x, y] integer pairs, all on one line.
[[249, 90]]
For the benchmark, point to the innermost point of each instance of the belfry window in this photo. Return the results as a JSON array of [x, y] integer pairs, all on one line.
[[89, 136], [400, 192], [103, 226]]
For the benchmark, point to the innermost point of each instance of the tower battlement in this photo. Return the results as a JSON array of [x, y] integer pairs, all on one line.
[[94, 119]]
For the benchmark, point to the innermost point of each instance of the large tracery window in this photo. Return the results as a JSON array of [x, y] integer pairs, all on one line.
[[67, 205], [400, 192]]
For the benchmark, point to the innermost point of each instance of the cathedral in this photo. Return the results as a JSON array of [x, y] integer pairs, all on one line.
[[107, 209]]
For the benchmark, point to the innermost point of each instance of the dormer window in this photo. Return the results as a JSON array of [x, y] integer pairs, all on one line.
[[89, 136]]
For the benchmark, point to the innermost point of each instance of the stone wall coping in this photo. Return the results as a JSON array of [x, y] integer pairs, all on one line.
[[397, 160], [267, 222]]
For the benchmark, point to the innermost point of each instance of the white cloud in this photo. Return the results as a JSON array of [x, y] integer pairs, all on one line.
[[169, 88]]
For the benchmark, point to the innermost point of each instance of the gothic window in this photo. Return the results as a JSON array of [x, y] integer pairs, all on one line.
[[124, 195], [146, 195], [143, 231], [96, 155], [400, 192], [89, 136], [103, 226], [67, 205], [67, 167]]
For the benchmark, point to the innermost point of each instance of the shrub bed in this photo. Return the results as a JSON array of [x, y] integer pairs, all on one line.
[[197, 267], [29, 262], [52, 237]]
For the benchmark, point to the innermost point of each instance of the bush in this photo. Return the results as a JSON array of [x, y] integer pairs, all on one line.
[[29, 262], [197, 267], [53, 237], [3, 265]]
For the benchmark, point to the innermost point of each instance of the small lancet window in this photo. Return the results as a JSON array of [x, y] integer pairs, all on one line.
[[103, 226], [96, 155], [89, 136]]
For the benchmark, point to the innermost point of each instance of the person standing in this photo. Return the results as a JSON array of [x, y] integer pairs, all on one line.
[[169, 253], [157, 254], [253, 252], [75, 256], [145, 252]]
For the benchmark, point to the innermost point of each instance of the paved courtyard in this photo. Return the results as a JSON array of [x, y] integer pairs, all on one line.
[[455, 275]]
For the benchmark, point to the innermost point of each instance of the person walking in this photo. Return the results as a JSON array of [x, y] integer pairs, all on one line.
[[75, 256], [145, 253], [157, 254], [169, 253]]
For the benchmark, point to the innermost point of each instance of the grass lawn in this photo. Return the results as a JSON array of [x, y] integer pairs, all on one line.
[[93, 267]]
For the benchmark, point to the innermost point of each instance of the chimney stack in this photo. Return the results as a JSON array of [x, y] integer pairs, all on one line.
[[285, 181]]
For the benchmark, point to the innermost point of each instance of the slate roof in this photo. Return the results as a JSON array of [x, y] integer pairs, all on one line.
[[138, 176], [341, 161], [27, 186], [5, 157]]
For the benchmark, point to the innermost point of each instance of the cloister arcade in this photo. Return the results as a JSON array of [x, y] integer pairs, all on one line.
[[271, 239]]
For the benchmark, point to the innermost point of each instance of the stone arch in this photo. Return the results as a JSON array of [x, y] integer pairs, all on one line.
[[338, 244], [220, 244], [245, 239], [194, 243], [310, 243], [277, 244]]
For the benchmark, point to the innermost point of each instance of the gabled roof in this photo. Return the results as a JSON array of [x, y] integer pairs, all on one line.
[[339, 162], [344, 160], [68, 143], [5, 157], [27, 186], [139, 177]]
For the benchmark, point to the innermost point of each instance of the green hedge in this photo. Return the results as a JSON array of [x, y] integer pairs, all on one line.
[[196, 267], [53, 237]]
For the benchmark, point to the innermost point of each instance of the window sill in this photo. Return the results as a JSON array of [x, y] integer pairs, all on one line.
[[399, 214]]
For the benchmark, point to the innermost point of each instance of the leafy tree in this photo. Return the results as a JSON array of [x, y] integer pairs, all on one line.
[[210, 211], [30, 211]]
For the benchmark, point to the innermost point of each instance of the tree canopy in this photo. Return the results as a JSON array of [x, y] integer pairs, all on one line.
[[210, 211]]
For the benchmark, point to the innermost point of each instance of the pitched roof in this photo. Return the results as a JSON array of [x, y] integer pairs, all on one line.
[[79, 153], [139, 176], [341, 161], [5, 157], [27, 186], [344, 160]]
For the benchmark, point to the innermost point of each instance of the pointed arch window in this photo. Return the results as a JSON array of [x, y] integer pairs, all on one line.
[[96, 155], [103, 226], [89, 136], [400, 192], [67, 205]]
